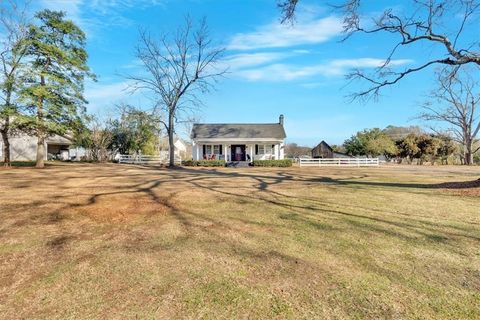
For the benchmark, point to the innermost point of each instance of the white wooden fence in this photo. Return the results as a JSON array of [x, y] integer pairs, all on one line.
[[344, 162], [142, 159]]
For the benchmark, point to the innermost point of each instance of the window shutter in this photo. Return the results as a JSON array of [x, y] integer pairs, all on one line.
[[273, 147], [256, 149], [221, 149], [204, 149]]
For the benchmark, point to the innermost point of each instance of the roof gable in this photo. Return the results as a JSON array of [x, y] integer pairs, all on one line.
[[324, 145]]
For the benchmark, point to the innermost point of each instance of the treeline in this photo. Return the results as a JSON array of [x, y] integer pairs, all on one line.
[[43, 68], [134, 131], [405, 145]]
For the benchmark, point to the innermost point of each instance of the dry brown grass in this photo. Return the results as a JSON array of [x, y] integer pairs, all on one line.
[[112, 241]]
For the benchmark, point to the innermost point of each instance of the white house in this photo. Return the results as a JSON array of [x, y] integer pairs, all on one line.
[[23, 147], [180, 147], [238, 142], [179, 144]]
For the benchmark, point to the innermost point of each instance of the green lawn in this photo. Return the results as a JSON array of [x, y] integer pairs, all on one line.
[[117, 241], [20, 164]]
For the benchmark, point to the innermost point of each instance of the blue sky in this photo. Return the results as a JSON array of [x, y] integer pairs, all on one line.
[[296, 71]]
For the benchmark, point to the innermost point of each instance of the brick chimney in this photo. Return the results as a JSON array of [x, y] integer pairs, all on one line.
[[280, 119]]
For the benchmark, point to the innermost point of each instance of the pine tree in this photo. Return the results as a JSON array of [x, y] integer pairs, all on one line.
[[54, 86]]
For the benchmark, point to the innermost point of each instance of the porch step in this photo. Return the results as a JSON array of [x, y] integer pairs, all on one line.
[[238, 164]]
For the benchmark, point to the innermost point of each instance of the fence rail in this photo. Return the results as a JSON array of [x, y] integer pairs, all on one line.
[[344, 162], [142, 159]]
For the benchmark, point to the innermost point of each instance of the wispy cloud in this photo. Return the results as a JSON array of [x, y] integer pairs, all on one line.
[[91, 15], [289, 72], [244, 60], [277, 35]]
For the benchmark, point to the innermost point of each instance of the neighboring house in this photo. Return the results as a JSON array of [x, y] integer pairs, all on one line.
[[180, 147], [323, 150], [23, 147], [238, 142]]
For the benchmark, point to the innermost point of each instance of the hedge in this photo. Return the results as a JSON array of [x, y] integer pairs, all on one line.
[[203, 163], [272, 163]]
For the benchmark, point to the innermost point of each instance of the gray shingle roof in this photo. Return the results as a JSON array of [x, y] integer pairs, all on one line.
[[240, 130]]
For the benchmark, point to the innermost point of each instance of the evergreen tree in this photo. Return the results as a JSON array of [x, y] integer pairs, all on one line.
[[53, 91]]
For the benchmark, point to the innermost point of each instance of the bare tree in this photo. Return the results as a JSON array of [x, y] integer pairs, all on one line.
[[178, 67], [424, 21], [98, 140], [13, 27], [455, 102]]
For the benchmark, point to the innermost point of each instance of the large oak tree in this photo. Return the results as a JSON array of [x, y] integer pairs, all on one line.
[[178, 67]]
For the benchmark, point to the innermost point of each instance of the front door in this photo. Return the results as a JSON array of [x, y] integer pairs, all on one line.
[[238, 152]]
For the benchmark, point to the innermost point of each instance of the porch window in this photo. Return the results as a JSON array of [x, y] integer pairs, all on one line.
[[212, 152], [261, 149], [208, 149], [268, 149]]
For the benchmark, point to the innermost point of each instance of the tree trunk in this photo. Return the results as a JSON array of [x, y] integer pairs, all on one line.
[[6, 129], [171, 131], [40, 131], [6, 145], [40, 151], [469, 153]]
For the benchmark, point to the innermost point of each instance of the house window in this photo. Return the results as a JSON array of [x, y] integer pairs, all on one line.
[[216, 149], [261, 149], [268, 149], [208, 149]]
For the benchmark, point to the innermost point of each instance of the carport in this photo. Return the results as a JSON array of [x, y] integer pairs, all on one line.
[[58, 148]]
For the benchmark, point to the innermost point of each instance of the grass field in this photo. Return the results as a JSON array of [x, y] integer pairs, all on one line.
[[117, 241], [20, 164]]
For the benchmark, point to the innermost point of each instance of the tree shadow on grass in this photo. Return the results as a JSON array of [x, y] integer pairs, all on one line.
[[257, 186], [285, 177]]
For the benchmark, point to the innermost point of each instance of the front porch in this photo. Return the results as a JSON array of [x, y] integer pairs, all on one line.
[[242, 151]]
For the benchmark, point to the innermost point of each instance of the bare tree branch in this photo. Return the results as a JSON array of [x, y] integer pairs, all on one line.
[[13, 28], [178, 67], [455, 102], [422, 21]]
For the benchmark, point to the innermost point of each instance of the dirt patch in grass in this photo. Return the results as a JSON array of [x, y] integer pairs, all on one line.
[[122, 208]]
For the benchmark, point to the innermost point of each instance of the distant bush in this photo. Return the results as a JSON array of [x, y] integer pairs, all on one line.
[[272, 163], [203, 163], [476, 159]]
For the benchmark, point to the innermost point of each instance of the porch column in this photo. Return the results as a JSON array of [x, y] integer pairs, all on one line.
[[225, 152], [251, 153], [282, 150], [276, 150], [197, 147]]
